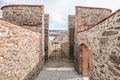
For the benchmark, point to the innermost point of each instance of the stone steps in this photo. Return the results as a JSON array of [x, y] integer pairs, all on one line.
[[62, 73]]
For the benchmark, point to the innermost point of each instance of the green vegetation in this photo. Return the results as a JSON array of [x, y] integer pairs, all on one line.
[[67, 60]]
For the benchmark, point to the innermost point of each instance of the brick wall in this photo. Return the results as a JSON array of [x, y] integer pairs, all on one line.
[[103, 40], [71, 26], [85, 18], [46, 34]]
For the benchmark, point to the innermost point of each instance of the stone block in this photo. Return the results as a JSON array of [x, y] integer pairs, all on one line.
[[118, 45], [118, 37], [118, 28], [109, 33], [115, 59], [113, 71], [46, 34], [103, 40]]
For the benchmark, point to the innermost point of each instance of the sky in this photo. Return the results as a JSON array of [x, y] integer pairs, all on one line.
[[60, 9]]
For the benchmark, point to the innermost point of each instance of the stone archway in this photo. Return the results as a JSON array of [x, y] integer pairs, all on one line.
[[85, 59]]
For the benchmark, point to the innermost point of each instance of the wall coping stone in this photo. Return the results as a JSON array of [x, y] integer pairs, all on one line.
[[23, 5], [93, 8]]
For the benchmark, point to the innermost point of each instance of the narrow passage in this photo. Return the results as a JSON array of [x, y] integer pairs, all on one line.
[[58, 69]]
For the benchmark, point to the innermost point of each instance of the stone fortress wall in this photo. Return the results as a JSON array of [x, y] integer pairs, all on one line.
[[46, 35], [28, 16], [23, 38], [85, 18], [101, 42], [21, 45], [71, 28]]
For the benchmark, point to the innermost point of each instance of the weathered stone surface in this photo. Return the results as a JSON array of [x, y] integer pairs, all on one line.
[[118, 37], [85, 18], [115, 59], [118, 20], [107, 55], [46, 34], [28, 16], [117, 67], [19, 52], [21, 47], [103, 40], [113, 71], [117, 28], [118, 45], [65, 49], [71, 26], [108, 33]]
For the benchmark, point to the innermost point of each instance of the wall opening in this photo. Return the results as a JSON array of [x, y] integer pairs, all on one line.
[[84, 57], [85, 60]]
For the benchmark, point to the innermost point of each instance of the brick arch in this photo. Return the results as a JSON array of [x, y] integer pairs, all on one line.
[[85, 55]]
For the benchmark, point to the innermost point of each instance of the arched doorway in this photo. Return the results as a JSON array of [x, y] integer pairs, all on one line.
[[85, 59]]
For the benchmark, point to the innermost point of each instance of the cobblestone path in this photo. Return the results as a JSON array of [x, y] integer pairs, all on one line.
[[58, 70]]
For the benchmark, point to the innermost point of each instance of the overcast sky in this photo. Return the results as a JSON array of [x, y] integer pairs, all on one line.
[[60, 9]]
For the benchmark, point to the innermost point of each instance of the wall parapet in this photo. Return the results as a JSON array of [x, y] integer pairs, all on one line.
[[23, 5], [93, 8]]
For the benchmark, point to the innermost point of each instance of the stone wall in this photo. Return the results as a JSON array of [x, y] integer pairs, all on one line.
[[23, 44], [104, 42], [50, 48], [85, 18], [71, 26], [25, 15], [20, 57], [28, 16], [46, 34], [65, 50]]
